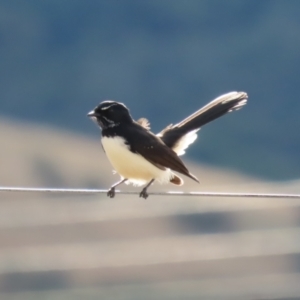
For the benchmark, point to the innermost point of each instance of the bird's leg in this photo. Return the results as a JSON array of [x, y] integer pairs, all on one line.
[[111, 192], [144, 193]]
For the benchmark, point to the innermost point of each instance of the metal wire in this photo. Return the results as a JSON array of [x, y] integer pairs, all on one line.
[[170, 193]]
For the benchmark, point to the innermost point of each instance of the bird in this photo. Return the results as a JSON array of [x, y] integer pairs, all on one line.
[[141, 157]]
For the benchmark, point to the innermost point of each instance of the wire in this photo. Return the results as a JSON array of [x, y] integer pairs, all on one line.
[[170, 193]]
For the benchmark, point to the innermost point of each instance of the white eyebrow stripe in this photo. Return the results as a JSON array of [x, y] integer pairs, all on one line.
[[108, 107]]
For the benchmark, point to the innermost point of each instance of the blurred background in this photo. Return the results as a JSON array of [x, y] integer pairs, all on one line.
[[164, 59]]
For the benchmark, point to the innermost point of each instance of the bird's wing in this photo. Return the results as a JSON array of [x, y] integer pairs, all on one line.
[[156, 152]]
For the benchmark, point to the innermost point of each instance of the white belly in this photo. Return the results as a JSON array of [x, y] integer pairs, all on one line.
[[130, 165]]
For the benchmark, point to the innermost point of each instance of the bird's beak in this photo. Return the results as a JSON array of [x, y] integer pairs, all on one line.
[[91, 114]]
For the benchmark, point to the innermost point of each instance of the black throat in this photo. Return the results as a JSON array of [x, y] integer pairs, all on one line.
[[121, 129]]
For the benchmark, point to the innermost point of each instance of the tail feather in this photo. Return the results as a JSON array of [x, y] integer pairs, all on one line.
[[173, 135], [213, 110]]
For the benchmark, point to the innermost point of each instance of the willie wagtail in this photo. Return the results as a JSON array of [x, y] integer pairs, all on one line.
[[140, 156]]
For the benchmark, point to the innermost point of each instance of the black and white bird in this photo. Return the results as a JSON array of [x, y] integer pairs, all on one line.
[[141, 157]]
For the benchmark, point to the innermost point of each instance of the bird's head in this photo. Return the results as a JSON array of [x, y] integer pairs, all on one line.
[[109, 114]]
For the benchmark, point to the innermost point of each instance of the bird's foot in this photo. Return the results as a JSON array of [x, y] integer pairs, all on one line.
[[144, 194], [111, 192]]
